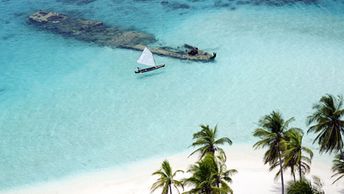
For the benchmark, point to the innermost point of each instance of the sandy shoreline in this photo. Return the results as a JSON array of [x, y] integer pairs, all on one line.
[[253, 176]]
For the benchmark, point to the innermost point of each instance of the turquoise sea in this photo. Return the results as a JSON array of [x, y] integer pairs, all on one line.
[[68, 107]]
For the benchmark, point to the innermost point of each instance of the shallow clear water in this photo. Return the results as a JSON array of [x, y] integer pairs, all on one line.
[[68, 107]]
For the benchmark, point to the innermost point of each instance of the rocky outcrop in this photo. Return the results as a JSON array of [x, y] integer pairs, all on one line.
[[101, 34]]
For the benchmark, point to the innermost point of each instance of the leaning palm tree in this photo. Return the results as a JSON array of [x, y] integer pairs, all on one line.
[[328, 123], [166, 179], [338, 168], [208, 178], [207, 142], [297, 155], [272, 135]]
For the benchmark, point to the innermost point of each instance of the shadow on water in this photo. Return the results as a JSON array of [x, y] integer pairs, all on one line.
[[148, 75]]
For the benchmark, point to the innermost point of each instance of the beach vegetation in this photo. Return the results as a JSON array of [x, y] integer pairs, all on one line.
[[296, 156], [328, 124], [338, 168], [305, 186], [207, 142], [166, 179], [272, 135], [209, 176]]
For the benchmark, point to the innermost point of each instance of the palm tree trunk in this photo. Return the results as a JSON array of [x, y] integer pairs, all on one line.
[[281, 169], [300, 170], [292, 172], [294, 177], [170, 189]]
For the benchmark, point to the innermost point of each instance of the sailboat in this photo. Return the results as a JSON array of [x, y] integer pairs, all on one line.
[[147, 59]]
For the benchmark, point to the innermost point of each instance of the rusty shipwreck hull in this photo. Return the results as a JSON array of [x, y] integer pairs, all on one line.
[[101, 34]]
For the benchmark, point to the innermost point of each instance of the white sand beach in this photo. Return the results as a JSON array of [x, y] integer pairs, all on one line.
[[252, 176]]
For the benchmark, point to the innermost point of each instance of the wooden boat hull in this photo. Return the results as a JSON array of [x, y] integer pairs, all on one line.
[[149, 69], [101, 34]]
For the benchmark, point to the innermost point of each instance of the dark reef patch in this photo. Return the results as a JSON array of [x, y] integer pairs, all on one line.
[[241, 2], [276, 3], [281, 2], [8, 37], [219, 3], [2, 21], [141, 0], [19, 14], [174, 5], [77, 2]]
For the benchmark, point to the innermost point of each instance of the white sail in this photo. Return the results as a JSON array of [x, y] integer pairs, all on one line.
[[146, 58]]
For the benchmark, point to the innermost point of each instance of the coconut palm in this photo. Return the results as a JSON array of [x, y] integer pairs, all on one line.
[[272, 135], [209, 178], [222, 175], [328, 123], [338, 168], [166, 179], [202, 179], [207, 142], [296, 155]]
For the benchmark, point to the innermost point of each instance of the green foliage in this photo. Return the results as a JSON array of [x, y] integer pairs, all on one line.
[[272, 134], [305, 187], [209, 176], [300, 187], [338, 167], [328, 123], [207, 142], [295, 155], [166, 179]]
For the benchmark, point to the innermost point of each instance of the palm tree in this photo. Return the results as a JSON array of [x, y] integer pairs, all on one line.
[[206, 139], [338, 168], [328, 123], [294, 155], [272, 135], [222, 175], [166, 179], [209, 178]]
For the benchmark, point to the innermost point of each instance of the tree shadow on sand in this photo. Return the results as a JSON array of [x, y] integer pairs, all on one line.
[[276, 188]]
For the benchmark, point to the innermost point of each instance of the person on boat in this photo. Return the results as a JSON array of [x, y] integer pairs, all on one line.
[[194, 51]]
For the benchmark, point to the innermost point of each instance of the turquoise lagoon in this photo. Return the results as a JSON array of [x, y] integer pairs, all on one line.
[[68, 107]]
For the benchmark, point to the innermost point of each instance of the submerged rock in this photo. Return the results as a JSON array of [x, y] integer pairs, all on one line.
[[282, 2], [174, 5], [99, 33], [219, 3], [78, 2], [88, 30]]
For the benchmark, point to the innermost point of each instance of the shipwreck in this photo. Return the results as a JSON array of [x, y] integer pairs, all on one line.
[[101, 34]]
